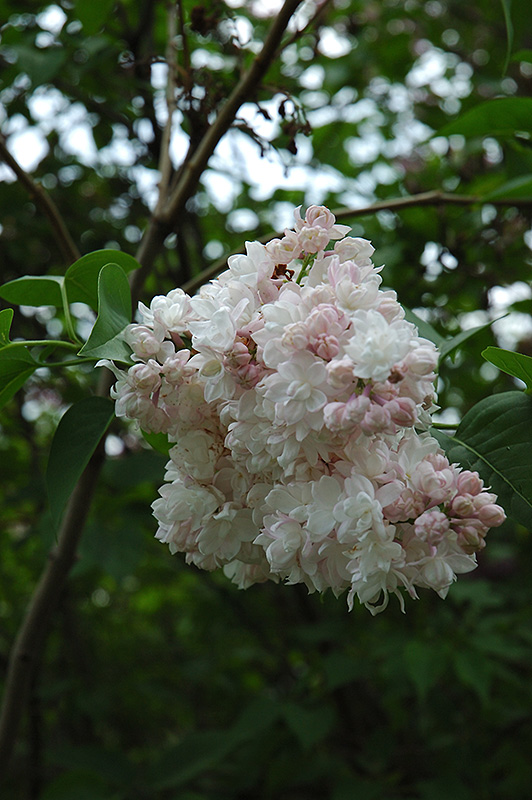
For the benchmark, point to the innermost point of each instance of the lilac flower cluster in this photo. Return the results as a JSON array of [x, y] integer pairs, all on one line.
[[298, 400]]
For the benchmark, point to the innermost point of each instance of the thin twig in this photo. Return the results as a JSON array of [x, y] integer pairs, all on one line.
[[165, 161], [45, 203], [433, 198], [191, 171], [309, 24], [186, 72]]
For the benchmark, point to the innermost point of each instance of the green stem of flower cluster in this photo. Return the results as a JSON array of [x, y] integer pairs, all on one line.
[[305, 266]]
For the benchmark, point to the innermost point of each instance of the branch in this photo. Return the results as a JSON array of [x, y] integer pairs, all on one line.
[[165, 162], [434, 198], [191, 171], [45, 203], [27, 651]]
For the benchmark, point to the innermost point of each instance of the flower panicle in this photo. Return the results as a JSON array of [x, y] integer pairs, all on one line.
[[297, 400]]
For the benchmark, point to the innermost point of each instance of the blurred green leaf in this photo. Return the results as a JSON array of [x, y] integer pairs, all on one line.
[[424, 664], [340, 669], [448, 346], [200, 752], [515, 364], [6, 318], [81, 784], [474, 670], [499, 117], [93, 15], [75, 440], [519, 188], [41, 65], [16, 366], [495, 439], [81, 279], [309, 724], [114, 313], [34, 290], [425, 328], [522, 55]]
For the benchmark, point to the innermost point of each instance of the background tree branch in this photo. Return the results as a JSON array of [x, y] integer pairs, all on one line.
[[45, 203]]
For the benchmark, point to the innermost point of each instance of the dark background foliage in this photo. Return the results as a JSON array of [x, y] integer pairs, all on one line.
[[161, 681]]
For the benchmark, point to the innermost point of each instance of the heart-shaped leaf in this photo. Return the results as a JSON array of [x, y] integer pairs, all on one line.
[[114, 313], [81, 279]]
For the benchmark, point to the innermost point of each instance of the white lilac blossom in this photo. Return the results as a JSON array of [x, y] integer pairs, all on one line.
[[297, 400]]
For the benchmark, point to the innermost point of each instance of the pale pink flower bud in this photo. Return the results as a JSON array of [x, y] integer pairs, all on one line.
[[313, 239], [286, 249], [469, 482], [319, 216], [435, 478], [334, 416], [142, 341], [471, 535], [326, 347], [145, 377], [402, 411], [377, 418], [491, 515], [432, 526], [462, 506], [422, 360]]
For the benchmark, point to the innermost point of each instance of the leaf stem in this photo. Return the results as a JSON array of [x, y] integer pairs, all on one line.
[[68, 318], [43, 343], [444, 426]]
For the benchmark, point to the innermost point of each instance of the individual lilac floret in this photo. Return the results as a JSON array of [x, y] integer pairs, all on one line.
[[296, 399]]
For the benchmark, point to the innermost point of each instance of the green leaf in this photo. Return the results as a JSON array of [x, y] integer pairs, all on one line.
[[34, 290], [515, 364], [495, 439], [309, 724], [41, 64], [474, 670], [159, 442], [500, 117], [16, 366], [425, 328], [424, 664], [114, 313], [522, 55], [6, 318], [81, 279], [203, 751], [75, 440], [519, 188], [93, 15], [448, 346]]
